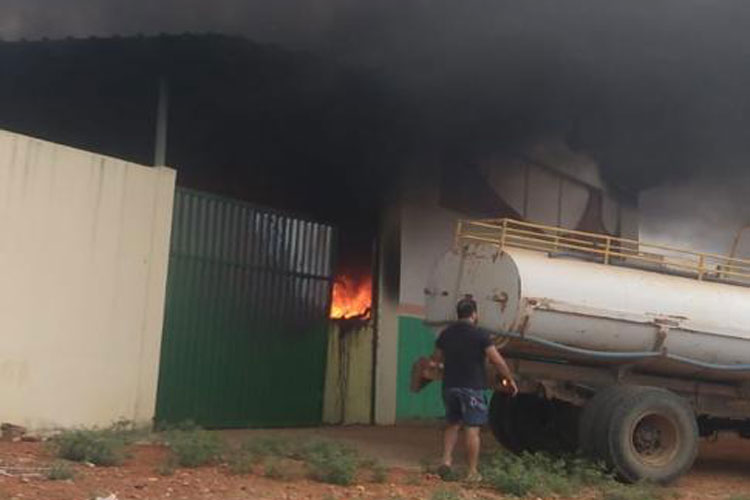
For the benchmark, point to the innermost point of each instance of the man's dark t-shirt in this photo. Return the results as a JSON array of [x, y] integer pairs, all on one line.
[[463, 346]]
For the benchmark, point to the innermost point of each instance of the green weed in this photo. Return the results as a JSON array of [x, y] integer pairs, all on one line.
[[60, 471], [331, 462], [271, 446], [379, 473], [540, 474], [103, 447], [327, 461], [255, 450], [167, 467], [274, 468], [242, 462], [543, 475], [193, 447], [446, 495]]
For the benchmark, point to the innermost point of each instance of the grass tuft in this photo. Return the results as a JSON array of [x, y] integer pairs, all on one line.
[[327, 461], [275, 468], [60, 471], [242, 462], [379, 473], [541, 474], [271, 446], [331, 462], [194, 447], [168, 467], [446, 495], [103, 447]]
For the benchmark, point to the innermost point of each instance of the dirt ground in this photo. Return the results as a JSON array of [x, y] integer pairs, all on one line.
[[723, 470]]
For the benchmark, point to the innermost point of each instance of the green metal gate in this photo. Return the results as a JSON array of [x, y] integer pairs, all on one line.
[[245, 329]]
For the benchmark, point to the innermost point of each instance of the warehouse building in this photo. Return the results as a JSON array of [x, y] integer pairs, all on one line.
[[126, 297]]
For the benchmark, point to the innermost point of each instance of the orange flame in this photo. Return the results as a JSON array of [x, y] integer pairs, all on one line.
[[351, 298]]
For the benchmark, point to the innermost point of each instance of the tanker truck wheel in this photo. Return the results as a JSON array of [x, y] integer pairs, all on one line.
[[651, 434], [591, 414], [529, 422], [498, 416], [594, 422]]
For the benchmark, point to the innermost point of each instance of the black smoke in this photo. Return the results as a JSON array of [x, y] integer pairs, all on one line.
[[654, 90], [279, 128]]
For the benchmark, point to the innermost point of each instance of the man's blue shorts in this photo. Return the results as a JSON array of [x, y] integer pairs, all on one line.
[[465, 405]]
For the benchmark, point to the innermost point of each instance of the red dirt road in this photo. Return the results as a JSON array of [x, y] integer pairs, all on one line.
[[723, 470], [138, 479]]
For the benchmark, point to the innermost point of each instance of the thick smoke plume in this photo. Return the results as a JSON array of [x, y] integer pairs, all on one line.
[[654, 90]]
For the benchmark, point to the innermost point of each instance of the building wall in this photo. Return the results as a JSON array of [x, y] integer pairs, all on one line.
[[386, 355], [84, 244], [427, 231], [348, 383], [702, 212], [549, 185]]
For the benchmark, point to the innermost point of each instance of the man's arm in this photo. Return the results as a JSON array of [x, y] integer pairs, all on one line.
[[502, 367]]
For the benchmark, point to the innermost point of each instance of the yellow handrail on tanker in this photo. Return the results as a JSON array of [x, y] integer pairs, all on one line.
[[604, 248]]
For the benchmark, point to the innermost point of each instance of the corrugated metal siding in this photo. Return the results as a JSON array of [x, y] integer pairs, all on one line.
[[246, 315]]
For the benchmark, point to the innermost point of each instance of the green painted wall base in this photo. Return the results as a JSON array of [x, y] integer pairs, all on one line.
[[415, 340]]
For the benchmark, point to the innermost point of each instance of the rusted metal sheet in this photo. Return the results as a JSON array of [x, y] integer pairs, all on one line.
[[245, 332]]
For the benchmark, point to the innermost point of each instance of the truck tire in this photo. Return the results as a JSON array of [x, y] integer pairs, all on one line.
[[497, 418], [592, 411], [652, 436], [568, 416], [529, 422], [601, 424]]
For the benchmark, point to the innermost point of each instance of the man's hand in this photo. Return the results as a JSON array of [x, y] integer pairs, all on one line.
[[497, 360], [509, 385]]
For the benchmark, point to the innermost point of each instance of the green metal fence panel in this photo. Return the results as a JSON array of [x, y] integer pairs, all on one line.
[[245, 331]]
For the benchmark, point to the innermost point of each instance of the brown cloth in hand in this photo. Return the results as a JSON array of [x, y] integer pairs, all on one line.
[[423, 371]]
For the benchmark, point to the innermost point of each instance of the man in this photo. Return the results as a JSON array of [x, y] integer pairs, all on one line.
[[463, 348]]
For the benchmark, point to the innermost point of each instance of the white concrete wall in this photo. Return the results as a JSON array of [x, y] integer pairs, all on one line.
[[84, 247]]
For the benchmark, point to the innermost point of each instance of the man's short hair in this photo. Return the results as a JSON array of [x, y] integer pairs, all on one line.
[[466, 307]]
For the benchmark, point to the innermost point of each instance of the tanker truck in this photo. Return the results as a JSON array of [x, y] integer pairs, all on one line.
[[625, 351]]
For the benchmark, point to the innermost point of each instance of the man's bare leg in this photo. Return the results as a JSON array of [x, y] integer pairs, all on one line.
[[450, 437], [472, 448]]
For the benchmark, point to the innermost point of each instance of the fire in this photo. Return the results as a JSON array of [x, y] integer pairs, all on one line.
[[351, 298]]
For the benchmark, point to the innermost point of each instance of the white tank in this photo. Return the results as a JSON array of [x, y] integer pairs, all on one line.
[[593, 306]]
